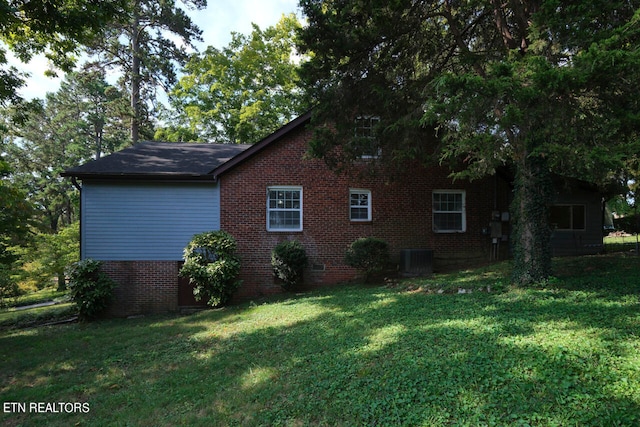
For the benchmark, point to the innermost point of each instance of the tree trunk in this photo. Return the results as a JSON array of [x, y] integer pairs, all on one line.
[[62, 281], [98, 138], [531, 231], [135, 77]]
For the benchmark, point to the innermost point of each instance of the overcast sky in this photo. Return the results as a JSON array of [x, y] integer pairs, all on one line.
[[217, 21]]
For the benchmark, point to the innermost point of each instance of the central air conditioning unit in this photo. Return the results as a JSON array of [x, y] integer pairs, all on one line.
[[416, 262]]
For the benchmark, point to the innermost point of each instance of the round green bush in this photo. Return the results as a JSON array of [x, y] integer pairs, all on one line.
[[90, 288], [288, 260], [212, 267], [370, 255]]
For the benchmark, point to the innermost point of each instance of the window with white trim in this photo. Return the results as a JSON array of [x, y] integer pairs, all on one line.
[[449, 215], [567, 217], [284, 208], [359, 205]]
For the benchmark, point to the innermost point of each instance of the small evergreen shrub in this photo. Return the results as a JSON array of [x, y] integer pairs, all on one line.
[[90, 288], [212, 267], [370, 255], [288, 260]]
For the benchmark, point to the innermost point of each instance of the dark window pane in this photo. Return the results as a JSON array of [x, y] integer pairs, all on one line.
[[578, 217]]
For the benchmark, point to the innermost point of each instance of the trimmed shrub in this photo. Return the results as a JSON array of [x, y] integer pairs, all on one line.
[[90, 288], [288, 260], [370, 255], [212, 267]]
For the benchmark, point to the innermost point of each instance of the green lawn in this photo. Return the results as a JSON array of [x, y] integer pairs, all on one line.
[[13, 316], [619, 243], [413, 353], [42, 295]]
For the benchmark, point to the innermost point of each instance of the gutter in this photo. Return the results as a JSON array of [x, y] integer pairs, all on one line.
[[137, 177]]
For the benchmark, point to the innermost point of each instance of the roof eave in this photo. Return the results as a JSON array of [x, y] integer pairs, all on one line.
[[139, 177]]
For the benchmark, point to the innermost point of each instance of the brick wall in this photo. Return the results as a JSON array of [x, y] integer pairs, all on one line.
[[143, 287], [401, 214]]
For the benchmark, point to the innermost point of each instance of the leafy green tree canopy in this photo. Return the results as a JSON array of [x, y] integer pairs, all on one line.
[[54, 27], [538, 86], [15, 211], [241, 93], [15, 216]]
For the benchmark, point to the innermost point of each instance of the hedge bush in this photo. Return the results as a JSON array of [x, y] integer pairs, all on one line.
[[212, 267], [90, 288], [288, 260], [370, 255]]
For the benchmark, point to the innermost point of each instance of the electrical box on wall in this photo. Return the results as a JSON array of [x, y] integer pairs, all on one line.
[[496, 229]]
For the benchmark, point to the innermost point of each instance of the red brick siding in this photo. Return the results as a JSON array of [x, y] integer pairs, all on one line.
[[401, 213], [143, 287]]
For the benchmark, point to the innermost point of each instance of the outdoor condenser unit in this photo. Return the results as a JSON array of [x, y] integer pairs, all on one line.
[[416, 262]]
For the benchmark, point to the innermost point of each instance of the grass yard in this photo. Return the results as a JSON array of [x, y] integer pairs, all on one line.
[[415, 353], [42, 295], [620, 243]]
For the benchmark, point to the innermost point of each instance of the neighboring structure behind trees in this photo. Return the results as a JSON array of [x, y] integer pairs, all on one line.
[[141, 206], [576, 218]]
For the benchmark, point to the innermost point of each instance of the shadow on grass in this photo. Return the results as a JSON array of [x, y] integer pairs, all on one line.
[[350, 356]]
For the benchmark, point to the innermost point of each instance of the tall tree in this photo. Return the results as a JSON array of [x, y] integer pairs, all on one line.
[[241, 93], [79, 122], [142, 47], [537, 85], [93, 109], [54, 27]]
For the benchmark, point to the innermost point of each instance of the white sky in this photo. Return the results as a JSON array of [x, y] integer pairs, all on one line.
[[217, 21]]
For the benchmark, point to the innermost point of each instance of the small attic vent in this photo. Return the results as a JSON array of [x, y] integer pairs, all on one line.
[[416, 262]]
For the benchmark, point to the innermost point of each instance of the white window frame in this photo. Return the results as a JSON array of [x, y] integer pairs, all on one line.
[[462, 212], [359, 191], [285, 209]]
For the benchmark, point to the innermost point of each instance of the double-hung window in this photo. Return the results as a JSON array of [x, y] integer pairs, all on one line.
[[449, 214], [284, 208], [567, 217], [359, 205]]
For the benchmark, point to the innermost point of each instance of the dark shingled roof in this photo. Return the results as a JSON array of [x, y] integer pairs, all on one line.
[[160, 160]]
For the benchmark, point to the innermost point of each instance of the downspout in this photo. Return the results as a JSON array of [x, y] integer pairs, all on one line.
[[74, 181]]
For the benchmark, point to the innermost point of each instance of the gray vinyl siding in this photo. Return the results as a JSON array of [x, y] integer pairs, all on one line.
[[145, 221]]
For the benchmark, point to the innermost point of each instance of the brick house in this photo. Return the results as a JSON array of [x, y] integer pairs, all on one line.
[[141, 206], [398, 210]]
